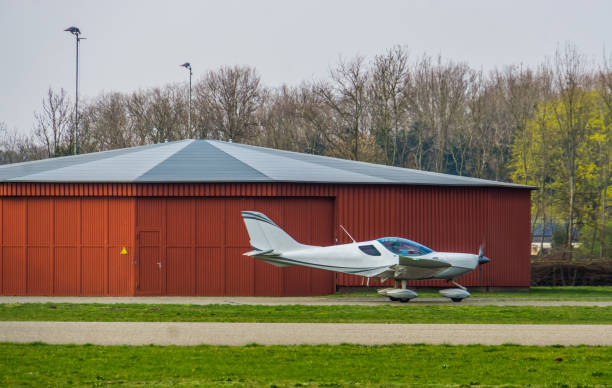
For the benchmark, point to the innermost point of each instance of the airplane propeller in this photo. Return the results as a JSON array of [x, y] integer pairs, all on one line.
[[482, 259]]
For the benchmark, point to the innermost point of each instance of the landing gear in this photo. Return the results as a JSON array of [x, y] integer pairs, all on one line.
[[398, 294], [455, 294]]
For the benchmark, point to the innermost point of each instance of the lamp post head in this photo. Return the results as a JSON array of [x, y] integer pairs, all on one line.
[[186, 65], [73, 30]]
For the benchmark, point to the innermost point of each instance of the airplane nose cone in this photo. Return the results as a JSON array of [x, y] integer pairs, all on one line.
[[483, 260]]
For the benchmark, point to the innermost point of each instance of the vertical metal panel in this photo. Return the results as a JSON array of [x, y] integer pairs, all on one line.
[[38, 221], [322, 233], [92, 221], [39, 271], [13, 271], [239, 270], [14, 281], [298, 223], [180, 259], [121, 235], [39, 267], [210, 211], [66, 276], [180, 222], [268, 278], [65, 257], [14, 221], [235, 232], [65, 221], [239, 273], [210, 278], [210, 246], [149, 213], [94, 241], [150, 279], [93, 268], [180, 265]]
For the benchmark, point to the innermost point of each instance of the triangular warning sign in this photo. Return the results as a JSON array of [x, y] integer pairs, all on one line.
[[123, 251]]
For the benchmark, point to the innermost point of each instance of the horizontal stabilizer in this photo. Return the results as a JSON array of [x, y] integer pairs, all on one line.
[[258, 252], [422, 263]]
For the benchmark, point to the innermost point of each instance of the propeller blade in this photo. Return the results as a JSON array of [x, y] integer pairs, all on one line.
[[481, 250]]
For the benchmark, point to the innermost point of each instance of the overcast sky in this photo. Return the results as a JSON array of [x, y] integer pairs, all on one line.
[[140, 44]]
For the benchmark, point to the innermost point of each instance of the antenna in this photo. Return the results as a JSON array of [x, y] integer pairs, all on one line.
[[345, 231]]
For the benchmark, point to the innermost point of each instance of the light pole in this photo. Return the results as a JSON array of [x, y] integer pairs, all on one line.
[[187, 65], [77, 34]]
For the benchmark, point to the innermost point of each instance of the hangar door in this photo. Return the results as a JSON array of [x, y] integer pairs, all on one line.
[[194, 246]]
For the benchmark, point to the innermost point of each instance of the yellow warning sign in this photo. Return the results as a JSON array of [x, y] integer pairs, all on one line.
[[123, 251]]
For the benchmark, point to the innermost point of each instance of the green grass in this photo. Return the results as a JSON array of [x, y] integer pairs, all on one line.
[[344, 365], [301, 313], [555, 293]]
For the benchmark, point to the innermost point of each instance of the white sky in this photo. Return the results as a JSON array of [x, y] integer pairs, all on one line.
[[140, 44]]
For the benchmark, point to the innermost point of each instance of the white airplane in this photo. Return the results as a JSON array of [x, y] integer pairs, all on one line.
[[385, 258]]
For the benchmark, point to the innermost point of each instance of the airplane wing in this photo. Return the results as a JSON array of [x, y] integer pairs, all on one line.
[[419, 268], [422, 263]]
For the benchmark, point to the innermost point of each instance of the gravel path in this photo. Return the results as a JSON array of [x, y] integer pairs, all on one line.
[[163, 333], [314, 301]]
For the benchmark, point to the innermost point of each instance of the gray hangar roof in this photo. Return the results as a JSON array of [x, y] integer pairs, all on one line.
[[218, 161]]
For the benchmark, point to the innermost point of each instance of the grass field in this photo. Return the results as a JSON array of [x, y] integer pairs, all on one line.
[[301, 313], [344, 365], [554, 293]]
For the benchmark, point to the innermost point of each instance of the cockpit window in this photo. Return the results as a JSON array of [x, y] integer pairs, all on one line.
[[369, 250], [403, 247]]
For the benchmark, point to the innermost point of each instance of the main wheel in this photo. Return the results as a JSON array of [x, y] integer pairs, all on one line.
[[404, 300], [457, 300]]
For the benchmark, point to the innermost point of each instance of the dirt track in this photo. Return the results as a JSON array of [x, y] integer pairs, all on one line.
[[216, 333]]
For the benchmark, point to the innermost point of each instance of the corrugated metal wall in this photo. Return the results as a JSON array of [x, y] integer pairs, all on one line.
[[446, 219], [66, 246], [201, 243], [61, 239]]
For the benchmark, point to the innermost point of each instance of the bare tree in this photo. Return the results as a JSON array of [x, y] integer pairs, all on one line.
[[346, 96], [226, 103], [436, 96], [388, 104], [53, 124]]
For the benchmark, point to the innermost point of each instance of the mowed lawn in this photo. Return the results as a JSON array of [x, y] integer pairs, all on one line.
[[545, 293], [395, 365], [301, 313]]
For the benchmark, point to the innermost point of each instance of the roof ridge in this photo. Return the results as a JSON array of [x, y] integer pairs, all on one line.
[[187, 143], [211, 141]]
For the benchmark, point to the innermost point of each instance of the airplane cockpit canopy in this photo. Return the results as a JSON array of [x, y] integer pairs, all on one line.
[[404, 247]]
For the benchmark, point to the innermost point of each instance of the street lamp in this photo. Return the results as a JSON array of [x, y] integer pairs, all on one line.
[[77, 34], [187, 65]]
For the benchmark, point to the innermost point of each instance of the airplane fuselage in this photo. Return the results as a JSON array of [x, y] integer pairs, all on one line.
[[385, 258], [350, 259]]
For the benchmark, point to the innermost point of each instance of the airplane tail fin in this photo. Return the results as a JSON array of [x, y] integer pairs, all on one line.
[[265, 235]]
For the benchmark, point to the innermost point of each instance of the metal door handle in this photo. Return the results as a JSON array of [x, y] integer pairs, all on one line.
[[159, 264]]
